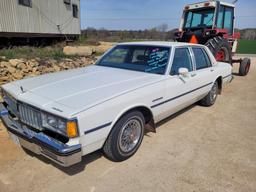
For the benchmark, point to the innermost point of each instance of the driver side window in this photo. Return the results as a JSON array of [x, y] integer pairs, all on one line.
[[181, 59]]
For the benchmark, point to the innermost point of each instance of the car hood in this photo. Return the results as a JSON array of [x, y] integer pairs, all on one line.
[[83, 88]]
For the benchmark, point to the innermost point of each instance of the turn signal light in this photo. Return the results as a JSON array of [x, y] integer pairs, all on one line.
[[72, 129]]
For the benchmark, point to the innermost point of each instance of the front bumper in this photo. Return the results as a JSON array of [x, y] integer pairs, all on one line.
[[40, 143]]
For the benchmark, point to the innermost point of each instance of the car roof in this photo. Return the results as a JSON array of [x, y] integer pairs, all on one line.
[[160, 43]]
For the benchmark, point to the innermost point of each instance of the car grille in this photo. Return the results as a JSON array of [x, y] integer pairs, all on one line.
[[30, 116], [26, 113], [11, 103]]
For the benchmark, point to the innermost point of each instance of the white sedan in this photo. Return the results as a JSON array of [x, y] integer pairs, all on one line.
[[66, 115]]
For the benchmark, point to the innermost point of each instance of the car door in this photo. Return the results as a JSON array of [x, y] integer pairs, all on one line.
[[204, 71], [180, 90]]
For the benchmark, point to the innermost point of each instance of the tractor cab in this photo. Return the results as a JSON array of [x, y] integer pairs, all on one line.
[[202, 21]]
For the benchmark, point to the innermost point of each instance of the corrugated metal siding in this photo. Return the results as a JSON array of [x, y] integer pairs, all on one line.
[[43, 17]]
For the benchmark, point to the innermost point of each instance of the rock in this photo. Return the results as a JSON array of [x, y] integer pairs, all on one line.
[[3, 79], [40, 69], [98, 57], [104, 46], [79, 50], [56, 68], [32, 63], [2, 58], [11, 69], [68, 60], [17, 75], [21, 66], [15, 62], [4, 64], [3, 72], [29, 68], [34, 67]]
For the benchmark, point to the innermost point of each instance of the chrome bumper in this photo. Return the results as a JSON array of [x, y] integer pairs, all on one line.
[[40, 143]]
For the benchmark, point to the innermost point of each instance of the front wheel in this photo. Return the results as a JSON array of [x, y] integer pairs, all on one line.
[[211, 97], [125, 137]]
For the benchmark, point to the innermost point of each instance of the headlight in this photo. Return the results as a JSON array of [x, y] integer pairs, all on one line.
[[60, 125]]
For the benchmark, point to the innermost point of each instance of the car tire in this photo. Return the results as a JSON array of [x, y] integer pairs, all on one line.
[[244, 67], [125, 137], [211, 97]]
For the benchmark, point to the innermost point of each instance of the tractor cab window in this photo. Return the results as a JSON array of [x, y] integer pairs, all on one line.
[[228, 20], [199, 18], [225, 19]]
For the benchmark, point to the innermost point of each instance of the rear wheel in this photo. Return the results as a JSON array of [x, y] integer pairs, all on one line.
[[244, 67], [220, 48], [211, 97]]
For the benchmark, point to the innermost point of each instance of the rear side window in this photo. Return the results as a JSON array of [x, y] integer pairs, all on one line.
[[181, 59], [202, 59]]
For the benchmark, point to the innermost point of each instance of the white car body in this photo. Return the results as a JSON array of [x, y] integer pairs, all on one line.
[[98, 96]]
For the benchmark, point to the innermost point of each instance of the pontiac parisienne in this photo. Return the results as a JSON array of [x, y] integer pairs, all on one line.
[[66, 115]]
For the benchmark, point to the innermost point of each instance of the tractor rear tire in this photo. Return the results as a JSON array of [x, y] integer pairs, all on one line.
[[244, 67], [220, 48]]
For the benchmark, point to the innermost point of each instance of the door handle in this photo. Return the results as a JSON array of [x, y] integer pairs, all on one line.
[[212, 70], [193, 75]]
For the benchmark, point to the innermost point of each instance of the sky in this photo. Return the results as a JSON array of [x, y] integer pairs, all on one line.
[[146, 14]]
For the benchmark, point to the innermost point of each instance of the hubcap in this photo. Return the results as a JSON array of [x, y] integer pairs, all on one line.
[[130, 135], [213, 92], [222, 55]]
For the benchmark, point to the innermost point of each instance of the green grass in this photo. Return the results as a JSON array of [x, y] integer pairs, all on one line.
[[81, 40], [246, 46], [27, 52]]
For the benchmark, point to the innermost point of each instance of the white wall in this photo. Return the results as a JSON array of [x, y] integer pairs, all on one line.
[[43, 17]]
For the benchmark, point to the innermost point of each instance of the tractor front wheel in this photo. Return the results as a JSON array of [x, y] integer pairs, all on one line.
[[220, 48], [244, 67]]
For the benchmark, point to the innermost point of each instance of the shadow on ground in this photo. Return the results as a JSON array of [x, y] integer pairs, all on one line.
[[72, 170]]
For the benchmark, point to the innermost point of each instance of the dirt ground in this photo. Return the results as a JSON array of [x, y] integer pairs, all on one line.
[[200, 149]]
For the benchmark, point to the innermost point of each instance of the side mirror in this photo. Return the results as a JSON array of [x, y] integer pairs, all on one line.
[[183, 72]]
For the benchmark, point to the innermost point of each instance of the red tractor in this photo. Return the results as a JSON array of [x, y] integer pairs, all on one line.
[[211, 23]]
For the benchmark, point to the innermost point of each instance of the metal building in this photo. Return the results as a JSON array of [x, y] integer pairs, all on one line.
[[39, 18]]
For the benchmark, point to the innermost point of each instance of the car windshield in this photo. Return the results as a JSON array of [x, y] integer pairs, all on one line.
[[199, 18], [149, 59]]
